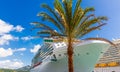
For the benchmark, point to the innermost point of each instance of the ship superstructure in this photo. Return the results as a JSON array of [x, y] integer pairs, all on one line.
[[110, 62], [52, 56]]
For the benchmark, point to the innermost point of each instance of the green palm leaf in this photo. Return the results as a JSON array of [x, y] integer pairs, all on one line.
[[56, 16], [88, 30]]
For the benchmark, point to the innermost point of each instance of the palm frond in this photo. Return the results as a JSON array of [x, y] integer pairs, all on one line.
[[77, 12], [52, 20], [80, 16], [39, 25], [86, 11], [60, 10], [103, 18], [67, 4], [41, 36], [88, 23], [52, 11], [44, 32], [48, 32], [81, 25], [76, 8], [77, 18], [88, 30]]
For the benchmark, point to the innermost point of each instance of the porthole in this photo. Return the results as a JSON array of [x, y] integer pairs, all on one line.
[[74, 55], [59, 54], [87, 53], [101, 52]]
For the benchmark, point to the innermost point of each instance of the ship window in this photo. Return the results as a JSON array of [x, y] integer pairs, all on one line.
[[87, 53], [65, 53], [74, 55], [59, 54], [101, 52]]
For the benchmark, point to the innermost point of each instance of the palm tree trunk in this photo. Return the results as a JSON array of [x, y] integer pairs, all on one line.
[[70, 55]]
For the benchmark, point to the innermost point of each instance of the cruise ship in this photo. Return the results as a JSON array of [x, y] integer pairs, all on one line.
[[52, 56], [110, 61]]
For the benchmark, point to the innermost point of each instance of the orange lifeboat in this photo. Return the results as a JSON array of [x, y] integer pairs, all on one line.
[[112, 64], [97, 65], [102, 65]]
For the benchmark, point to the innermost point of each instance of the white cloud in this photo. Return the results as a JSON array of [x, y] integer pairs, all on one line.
[[2, 42], [9, 52], [19, 28], [4, 39], [20, 49], [5, 29], [11, 64], [27, 38], [35, 49], [7, 37], [6, 52]]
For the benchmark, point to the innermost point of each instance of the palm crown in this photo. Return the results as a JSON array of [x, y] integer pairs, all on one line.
[[75, 22]]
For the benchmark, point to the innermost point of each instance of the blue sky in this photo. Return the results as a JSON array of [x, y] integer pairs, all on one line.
[[17, 47]]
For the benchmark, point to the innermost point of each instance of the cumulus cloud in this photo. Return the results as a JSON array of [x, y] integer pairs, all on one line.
[[11, 64], [27, 38], [35, 49], [4, 39], [6, 52], [19, 28], [5, 29], [9, 52]]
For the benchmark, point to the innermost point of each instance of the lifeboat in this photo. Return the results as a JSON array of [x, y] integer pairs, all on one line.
[[102, 65], [112, 64], [97, 65]]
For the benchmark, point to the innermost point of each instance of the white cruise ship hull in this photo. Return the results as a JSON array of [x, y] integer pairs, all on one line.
[[86, 55]]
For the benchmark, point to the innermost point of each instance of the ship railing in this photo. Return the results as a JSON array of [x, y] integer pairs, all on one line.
[[47, 50], [46, 53], [47, 58], [43, 54], [42, 49]]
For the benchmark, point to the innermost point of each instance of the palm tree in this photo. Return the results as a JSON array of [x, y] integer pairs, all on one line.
[[70, 21]]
